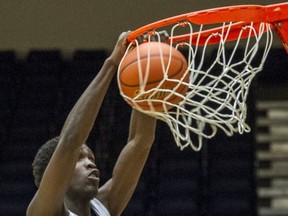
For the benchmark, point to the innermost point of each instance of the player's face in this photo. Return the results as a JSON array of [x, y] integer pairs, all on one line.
[[85, 181]]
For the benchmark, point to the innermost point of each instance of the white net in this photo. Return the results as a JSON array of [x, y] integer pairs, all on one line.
[[219, 79]]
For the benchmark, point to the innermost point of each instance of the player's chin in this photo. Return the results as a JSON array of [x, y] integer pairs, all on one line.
[[92, 184], [92, 191]]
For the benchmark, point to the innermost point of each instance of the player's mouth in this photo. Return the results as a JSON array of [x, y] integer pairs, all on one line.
[[94, 175]]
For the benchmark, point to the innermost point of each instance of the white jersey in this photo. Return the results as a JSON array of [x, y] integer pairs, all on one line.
[[96, 207]]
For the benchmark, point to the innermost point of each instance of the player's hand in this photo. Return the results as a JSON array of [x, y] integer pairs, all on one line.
[[120, 48]]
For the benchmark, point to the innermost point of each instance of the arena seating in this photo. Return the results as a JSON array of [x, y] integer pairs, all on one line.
[[38, 92]]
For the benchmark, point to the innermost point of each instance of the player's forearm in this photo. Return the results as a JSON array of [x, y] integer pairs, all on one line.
[[131, 161], [142, 128], [81, 119]]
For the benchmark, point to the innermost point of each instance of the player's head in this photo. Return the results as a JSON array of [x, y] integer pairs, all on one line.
[[85, 180], [42, 159]]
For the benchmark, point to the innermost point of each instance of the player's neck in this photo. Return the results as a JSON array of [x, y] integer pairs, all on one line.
[[79, 207]]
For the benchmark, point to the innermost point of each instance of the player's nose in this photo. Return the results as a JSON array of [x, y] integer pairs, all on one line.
[[90, 164]]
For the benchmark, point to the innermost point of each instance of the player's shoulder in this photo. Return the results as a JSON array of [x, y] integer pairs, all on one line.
[[38, 207]]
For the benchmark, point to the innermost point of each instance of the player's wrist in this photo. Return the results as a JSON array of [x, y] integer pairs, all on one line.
[[112, 61]]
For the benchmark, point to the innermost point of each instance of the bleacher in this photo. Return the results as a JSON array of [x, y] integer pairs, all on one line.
[[38, 92]]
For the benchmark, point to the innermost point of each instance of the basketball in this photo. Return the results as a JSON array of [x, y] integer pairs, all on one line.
[[157, 81]]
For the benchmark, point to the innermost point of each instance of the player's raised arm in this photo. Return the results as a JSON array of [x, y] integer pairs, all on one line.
[[118, 191], [49, 199]]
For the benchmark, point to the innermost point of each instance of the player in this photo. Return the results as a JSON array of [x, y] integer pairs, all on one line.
[[69, 185]]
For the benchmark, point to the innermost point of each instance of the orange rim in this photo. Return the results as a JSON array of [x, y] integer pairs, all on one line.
[[275, 14]]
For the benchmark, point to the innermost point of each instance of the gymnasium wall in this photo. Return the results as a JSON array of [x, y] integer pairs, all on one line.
[[75, 24]]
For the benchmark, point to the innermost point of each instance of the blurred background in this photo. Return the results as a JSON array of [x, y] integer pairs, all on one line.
[[51, 50]]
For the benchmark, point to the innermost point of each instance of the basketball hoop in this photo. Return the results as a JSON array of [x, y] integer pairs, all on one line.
[[238, 38]]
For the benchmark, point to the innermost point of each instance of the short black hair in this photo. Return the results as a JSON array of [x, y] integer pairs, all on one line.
[[42, 159]]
